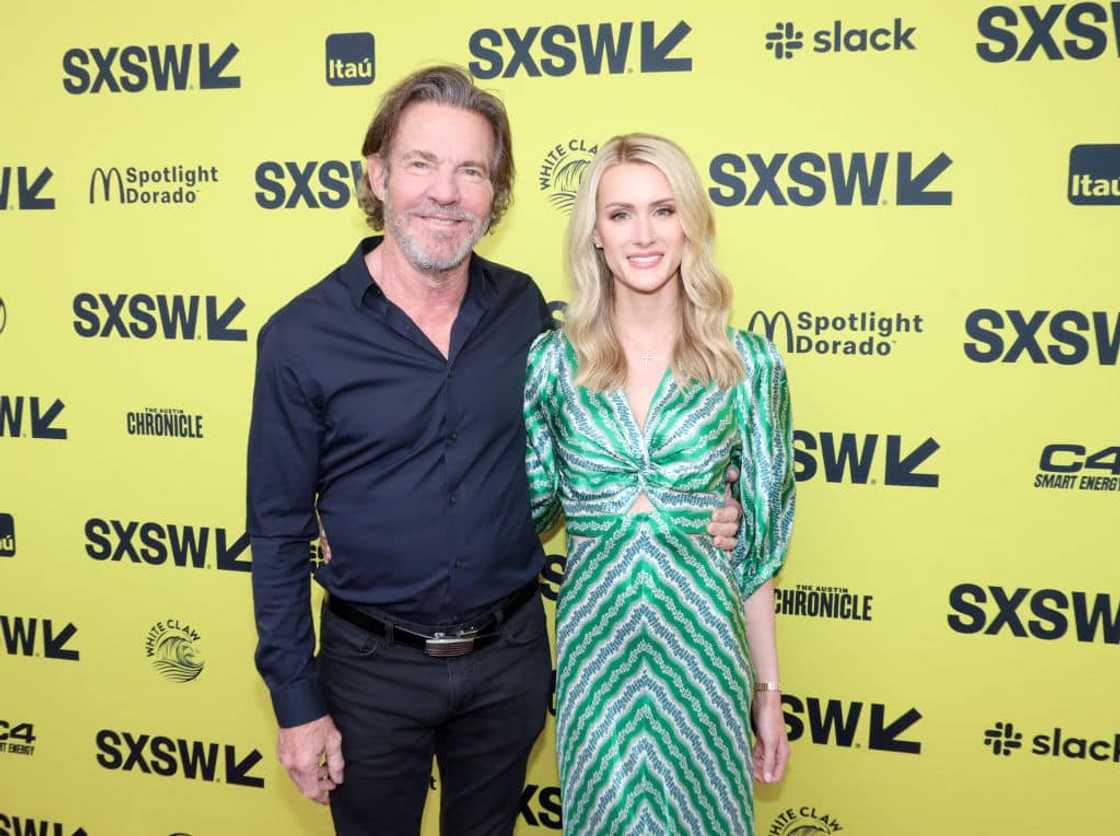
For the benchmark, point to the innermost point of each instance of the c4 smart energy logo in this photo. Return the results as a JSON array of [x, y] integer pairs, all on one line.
[[17, 738], [1094, 174], [172, 647], [351, 59], [1079, 31], [804, 821], [1075, 467], [289, 185], [30, 184], [1066, 337], [1050, 614], [787, 39], [562, 171], [806, 178], [1003, 739], [168, 185], [850, 334], [133, 69], [170, 317], [7, 535], [560, 50]]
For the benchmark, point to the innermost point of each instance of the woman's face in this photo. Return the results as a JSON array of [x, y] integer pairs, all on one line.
[[637, 227]]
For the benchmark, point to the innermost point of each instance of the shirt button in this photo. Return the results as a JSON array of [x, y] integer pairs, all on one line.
[[451, 499], [458, 564], [450, 374], [452, 437]]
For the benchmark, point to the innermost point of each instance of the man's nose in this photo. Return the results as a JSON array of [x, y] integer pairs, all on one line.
[[444, 187]]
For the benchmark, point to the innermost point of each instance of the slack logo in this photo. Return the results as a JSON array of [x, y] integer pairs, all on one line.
[[1094, 175], [350, 59]]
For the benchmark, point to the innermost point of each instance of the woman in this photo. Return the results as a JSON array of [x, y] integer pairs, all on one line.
[[634, 410]]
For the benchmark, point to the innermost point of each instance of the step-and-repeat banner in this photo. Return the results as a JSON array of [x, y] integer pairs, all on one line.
[[918, 202]]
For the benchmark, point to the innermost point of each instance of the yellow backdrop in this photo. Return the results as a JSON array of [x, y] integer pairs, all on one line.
[[920, 202]]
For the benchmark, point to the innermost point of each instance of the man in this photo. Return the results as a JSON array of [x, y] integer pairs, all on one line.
[[388, 400]]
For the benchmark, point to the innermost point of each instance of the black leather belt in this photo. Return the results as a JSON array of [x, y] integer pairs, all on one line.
[[440, 644]]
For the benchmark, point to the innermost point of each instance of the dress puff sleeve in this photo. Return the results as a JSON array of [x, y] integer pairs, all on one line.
[[540, 449], [762, 412]]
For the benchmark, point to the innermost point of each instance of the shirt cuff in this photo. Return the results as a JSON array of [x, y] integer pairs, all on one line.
[[298, 704]]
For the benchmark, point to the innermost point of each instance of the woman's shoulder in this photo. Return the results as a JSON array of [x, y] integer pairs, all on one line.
[[547, 346], [756, 351]]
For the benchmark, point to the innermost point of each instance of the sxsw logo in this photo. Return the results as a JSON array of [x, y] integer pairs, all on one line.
[[13, 825], [1035, 32], [1051, 613], [131, 69], [289, 185], [350, 59], [855, 178], [1094, 175], [786, 40], [19, 414], [19, 633], [559, 50], [1074, 336], [837, 722], [540, 807], [194, 760], [143, 317], [7, 535], [29, 190], [153, 543], [846, 457]]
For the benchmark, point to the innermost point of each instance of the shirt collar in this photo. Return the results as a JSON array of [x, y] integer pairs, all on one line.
[[355, 275]]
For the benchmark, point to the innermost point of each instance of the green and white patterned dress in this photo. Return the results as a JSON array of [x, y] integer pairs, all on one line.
[[654, 678]]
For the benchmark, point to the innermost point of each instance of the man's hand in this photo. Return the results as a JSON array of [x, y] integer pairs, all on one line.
[[312, 755], [724, 526], [324, 546]]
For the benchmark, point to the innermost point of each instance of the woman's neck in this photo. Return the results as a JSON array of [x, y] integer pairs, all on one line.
[[647, 321]]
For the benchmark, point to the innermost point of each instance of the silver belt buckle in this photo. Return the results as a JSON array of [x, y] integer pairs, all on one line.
[[447, 646]]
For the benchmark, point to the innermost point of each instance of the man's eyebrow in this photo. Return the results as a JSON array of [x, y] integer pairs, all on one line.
[[424, 155]]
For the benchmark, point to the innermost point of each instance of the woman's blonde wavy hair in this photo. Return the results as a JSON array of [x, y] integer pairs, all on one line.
[[702, 352]]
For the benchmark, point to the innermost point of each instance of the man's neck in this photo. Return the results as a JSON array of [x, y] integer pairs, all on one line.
[[413, 290]]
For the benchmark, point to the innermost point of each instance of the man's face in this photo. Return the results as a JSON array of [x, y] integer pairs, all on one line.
[[436, 185]]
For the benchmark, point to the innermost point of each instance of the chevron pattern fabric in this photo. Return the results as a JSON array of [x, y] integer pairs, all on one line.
[[653, 667]]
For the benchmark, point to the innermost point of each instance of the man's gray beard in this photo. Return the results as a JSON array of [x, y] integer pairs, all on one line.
[[424, 261]]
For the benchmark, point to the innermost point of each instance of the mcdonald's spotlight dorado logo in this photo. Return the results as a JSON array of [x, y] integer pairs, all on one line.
[[170, 184], [861, 333], [351, 60], [1094, 175], [562, 171]]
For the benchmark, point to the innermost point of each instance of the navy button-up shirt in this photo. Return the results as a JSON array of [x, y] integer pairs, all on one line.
[[415, 462]]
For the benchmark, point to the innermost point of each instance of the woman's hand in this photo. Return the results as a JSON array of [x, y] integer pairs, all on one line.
[[324, 546], [771, 745]]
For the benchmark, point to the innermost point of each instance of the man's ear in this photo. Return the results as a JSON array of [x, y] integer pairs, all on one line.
[[375, 172]]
